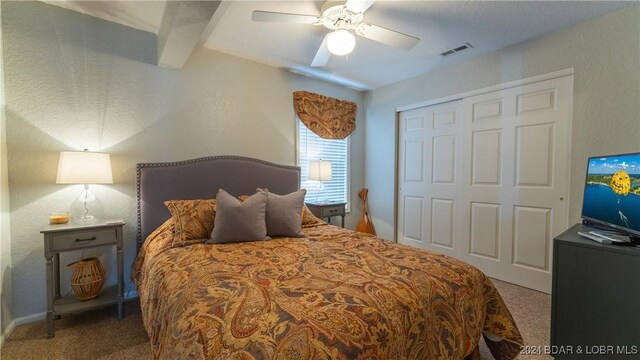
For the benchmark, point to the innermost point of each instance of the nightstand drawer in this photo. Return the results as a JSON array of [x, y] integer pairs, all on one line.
[[83, 239], [336, 210], [328, 210]]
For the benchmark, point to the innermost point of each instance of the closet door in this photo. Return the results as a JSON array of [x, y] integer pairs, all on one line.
[[487, 181], [429, 177], [516, 145]]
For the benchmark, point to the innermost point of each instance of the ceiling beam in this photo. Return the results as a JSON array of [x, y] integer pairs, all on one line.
[[180, 31]]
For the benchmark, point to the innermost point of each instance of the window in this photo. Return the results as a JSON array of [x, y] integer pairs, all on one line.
[[313, 147]]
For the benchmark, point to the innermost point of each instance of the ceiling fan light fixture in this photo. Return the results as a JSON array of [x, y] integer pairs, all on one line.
[[341, 42]]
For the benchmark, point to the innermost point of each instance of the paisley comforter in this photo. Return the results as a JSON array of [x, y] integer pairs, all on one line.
[[334, 294]]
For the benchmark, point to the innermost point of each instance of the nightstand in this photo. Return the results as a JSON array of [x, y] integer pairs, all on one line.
[[328, 210], [70, 237]]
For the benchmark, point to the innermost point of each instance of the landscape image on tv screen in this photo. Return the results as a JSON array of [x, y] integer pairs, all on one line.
[[612, 192]]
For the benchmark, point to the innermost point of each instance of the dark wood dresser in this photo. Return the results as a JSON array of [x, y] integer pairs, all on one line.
[[595, 302]]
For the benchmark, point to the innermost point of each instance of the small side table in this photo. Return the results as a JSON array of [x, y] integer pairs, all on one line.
[[69, 237], [328, 210]]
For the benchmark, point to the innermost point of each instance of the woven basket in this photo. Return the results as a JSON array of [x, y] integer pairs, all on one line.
[[88, 278]]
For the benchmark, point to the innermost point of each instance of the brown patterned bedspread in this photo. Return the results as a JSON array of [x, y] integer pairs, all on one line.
[[335, 294]]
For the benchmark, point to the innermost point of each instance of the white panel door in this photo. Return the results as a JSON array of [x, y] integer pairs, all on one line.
[[517, 142], [488, 179], [429, 176], [411, 178]]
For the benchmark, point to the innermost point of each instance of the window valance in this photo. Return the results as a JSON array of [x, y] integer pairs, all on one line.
[[328, 117]]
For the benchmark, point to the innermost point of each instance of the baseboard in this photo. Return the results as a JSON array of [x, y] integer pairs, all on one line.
[[30, 318], [131, 295], [7, 332], [20, 321]]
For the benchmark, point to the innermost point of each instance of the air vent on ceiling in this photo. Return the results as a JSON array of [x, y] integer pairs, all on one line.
[[457, 49]]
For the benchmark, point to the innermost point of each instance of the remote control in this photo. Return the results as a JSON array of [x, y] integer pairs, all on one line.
[[597, 238], [614, 237]]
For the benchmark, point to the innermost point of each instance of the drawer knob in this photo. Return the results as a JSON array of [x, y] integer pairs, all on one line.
[[333, 211], [86, 239]]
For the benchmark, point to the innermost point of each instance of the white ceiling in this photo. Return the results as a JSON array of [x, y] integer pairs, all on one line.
[[142, 15], [441, 25]]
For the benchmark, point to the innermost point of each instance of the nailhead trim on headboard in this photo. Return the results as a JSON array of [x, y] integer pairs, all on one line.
[[186, 162]]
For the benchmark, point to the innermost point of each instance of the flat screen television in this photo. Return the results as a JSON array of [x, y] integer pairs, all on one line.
[[612, 193]]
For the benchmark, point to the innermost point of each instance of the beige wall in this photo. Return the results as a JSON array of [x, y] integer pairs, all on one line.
[[605, 54], [5, 231], [74, 82]]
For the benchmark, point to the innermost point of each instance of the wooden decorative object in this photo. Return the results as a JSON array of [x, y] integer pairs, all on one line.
[[88, 278], [365, 225]]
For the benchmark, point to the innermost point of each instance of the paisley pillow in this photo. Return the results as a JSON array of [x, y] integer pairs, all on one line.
[[193, 220], [308, 219]]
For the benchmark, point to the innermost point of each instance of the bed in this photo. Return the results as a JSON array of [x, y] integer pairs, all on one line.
[[333, 294]]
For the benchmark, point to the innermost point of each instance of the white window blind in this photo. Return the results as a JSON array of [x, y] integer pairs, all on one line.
[[313, 147]]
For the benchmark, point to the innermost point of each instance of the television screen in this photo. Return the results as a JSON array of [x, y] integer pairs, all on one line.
[[612, 192]]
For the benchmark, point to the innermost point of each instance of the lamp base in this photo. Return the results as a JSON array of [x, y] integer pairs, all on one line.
[[87, 208], [86, 219]]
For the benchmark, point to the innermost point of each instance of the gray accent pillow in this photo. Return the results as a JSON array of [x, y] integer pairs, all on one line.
[[238, 221], [284, 214]]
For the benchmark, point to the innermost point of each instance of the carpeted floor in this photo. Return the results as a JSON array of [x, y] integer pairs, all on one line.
[[100, 335], [532, 312]]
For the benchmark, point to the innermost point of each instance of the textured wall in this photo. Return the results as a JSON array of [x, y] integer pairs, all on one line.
[[5, 231], [73, 82], [605, 53]]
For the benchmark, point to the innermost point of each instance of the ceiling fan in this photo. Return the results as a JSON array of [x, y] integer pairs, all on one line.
[[341, 17]]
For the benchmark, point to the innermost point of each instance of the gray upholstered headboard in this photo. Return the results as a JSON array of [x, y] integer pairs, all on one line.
[[200, 179]]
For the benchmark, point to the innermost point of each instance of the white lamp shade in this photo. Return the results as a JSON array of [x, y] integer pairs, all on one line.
[[340, 42], [84, 167], [320, 170]]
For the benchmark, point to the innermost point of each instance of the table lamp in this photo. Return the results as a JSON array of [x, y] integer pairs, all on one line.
[[85, 167], [320, 170]]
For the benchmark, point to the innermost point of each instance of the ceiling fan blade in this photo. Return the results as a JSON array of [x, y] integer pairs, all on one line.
[[323, 55], [359, 6], [268, 16], [386, 36]]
